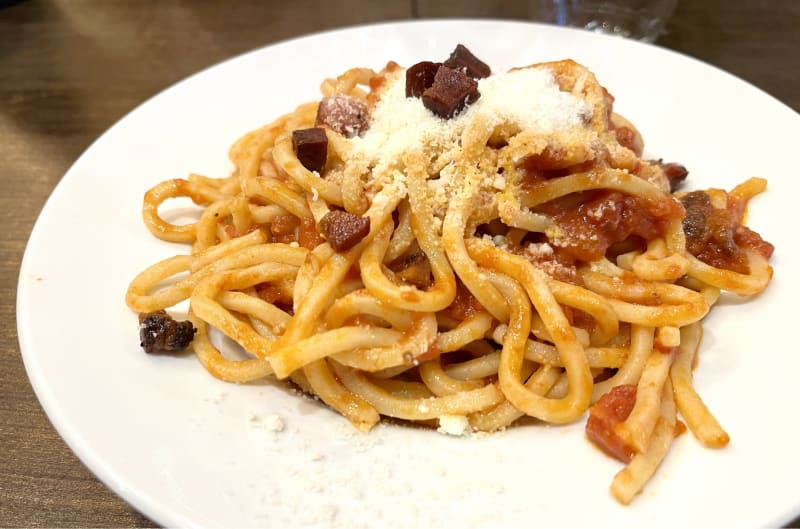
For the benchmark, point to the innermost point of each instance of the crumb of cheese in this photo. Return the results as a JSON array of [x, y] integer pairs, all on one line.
[[456, 425]]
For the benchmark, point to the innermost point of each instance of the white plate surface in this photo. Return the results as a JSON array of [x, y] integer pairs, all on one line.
[[189, 450]]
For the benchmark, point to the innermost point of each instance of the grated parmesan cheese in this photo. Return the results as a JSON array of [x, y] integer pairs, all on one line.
[[273, 423], [601, 209], [499, 182], [540, 250], [529, 98], [456, 425]]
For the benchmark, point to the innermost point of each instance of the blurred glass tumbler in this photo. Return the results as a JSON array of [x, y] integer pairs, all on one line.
[[635, 19]]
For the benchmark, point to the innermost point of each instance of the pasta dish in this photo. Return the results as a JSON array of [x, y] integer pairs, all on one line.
[[460, 249]]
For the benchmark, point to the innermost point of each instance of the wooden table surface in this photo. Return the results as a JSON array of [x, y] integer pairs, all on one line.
[[69, 69]]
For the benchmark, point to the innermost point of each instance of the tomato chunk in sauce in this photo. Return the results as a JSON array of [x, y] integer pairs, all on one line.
[[591, 221], [612, 409]]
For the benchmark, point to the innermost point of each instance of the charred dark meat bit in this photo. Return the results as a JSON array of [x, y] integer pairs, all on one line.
[[462, 59], [159, 333], [716, 235], [675, 173], [420, 77], [346, 115], [311, 147], [450, 92], [704, 226], [413, 268], [343, 230]]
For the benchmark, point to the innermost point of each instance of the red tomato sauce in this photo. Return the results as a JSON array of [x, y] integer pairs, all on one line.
[[592, 221], [612, 409]]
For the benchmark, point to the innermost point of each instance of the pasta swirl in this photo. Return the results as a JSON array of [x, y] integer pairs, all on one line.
[[400, 252]]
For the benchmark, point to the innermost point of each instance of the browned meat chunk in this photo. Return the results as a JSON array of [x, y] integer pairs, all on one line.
[[716, 235], [462, 59], [450, 92], [159, 333], [343, 230], [707, 228], [346, 115], [413, 268], [420, 77], [311, 147], [675, 173]]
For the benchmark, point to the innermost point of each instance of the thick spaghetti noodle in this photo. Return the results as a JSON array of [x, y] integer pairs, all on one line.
[[465, 258]]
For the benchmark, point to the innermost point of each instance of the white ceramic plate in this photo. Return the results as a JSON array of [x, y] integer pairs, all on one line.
[[189, 450]]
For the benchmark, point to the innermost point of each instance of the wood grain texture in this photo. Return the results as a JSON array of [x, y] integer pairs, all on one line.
[[69, 69]]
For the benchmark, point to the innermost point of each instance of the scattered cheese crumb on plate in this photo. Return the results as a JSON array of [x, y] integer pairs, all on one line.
[[456, 425]]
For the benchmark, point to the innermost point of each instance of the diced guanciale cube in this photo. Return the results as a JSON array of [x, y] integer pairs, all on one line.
[[346, 115], [420, 77], [343, 230], [450, 92], [462, 59], [311, 147]]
